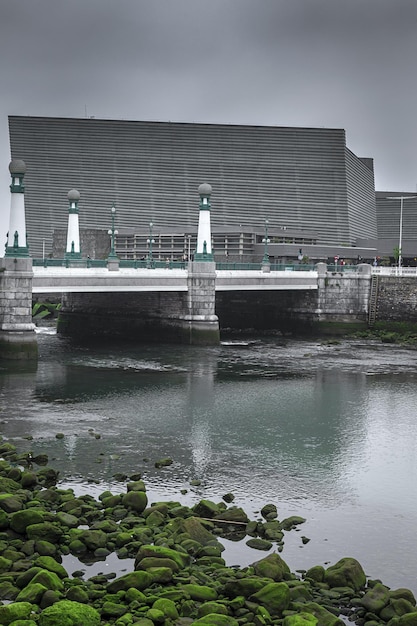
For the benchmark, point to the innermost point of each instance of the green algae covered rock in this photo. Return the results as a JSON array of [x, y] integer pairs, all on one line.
[[259, 544], [324, 617], [10, 502], [200, 593], [167, 607], [300, 619], [275, 597], [49, 563], [148, 550], [410, 619], [376, 598], [68, 613], [20, 520], [206, 508], [32, 593], [15, 611], [136, 500], [49, 579], [93, 539], [396, 608], [139, 580], [212, 607], [347, 572], [245, 587], [316, 573], [272, 566], [196, 530], [215, 619], [154, 562], [46, 531]]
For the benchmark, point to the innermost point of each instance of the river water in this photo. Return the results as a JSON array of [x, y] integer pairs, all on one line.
[[327, 431]]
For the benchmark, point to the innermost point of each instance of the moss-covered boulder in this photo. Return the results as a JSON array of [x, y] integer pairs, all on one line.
[[167, 607], [396, 608], [323, 616], [49, 579], [151, 562], [233, 514], [275, 597], [93, 539], [148, 550], [215, 619], [269, 512], [245, 587], [300, 619], [347, 572], [68, 613], [272, 566], [206, 509], [139, 579], [375, 598], [20, 520], [200, 593], [196, 530], [49, 563], [316, 573], [15, 611], [10, 502], [136, 500], [47, 531], [212, 607], [32, 593], [410, 619]]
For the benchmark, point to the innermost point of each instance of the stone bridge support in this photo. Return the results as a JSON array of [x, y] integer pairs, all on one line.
[[17, 332]]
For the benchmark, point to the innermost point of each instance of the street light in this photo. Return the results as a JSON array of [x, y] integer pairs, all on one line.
[[400, 242], [266, 241], [112, 232], [150, 241]]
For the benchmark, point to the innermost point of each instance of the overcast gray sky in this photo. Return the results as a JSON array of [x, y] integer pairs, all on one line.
[[335, 63]]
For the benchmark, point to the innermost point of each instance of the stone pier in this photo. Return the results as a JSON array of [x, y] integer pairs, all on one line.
[[17, 332]]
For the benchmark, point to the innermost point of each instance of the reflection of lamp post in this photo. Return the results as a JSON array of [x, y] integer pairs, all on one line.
[[112, 232], [400, 240], [150, 242]]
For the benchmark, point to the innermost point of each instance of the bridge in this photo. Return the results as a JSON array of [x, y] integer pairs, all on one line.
[[55, 280], [173, 301]]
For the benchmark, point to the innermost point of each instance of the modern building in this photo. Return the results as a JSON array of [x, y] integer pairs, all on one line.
[[305, 182], [396, 228]]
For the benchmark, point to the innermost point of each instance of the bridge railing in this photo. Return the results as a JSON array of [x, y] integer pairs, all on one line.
[[156, 264]]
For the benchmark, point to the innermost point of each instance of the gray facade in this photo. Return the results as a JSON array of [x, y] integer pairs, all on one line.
[[297, 178], [388, 209]]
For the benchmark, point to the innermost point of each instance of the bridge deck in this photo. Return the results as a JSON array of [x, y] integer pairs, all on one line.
[[87, 280]]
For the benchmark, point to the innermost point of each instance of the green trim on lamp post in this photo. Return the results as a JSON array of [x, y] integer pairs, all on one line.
[[150, 241], [112, 232]]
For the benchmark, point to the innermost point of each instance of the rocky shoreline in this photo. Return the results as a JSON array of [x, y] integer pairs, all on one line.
[[179, 576]]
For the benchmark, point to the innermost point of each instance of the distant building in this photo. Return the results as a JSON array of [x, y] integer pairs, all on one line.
[[389, 220], [304, 181]]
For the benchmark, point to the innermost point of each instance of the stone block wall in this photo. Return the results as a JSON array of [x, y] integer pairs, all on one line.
[[16, 294], [397, 299]]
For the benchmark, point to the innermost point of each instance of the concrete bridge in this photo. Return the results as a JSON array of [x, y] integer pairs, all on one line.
[[56, 280], [171, 303]]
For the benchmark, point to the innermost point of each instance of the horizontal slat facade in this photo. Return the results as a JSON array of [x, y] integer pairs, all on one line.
[[300, 178]]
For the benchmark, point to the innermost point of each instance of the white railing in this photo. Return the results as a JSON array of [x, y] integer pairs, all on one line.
[[395, 271]]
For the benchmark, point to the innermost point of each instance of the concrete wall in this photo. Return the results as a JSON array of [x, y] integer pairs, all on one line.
[[397, 299]]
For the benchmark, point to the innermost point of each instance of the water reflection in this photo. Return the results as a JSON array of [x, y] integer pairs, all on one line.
[[325, 431]]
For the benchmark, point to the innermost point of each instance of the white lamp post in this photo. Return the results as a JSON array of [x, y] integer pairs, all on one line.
[[400, 240]]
